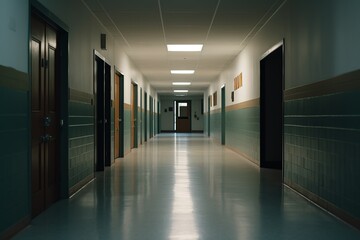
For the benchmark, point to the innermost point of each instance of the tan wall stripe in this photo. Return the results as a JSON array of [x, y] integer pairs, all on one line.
[[243, 105], [78, 96], [346, 82], [127, 106], [14, 79]]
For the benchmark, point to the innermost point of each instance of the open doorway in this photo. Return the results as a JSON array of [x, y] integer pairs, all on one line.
[[271, 107], [102, 93]]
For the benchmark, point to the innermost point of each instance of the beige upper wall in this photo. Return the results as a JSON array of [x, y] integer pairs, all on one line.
[[84, 38], [14, 23], [320, 43]]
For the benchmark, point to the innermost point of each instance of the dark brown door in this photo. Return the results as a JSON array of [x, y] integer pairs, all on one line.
[[183, 120], [45, 166]]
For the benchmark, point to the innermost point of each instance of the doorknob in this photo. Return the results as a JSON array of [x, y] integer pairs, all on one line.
[[46, 138], [47, 121]]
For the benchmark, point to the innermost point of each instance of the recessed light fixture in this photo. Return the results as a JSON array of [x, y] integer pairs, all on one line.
[[180, 95], [181, 91], [181, 83], [182, 71], [184, 47]]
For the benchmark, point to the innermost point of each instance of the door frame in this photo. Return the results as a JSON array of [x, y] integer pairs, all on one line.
[[99, 119], [102, 144], [141, 116], [223, 114], [62, 87], [151, 117], [145, 116], [158, 117], [134, 115], [208, 118], [263, 119], [121, 111], [108, 120]]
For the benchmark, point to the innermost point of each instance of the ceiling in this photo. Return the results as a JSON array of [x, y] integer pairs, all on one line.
[[144, 27]]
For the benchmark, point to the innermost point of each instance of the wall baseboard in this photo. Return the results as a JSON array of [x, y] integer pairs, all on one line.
[[16, 228], [80, 184], [325, 205]]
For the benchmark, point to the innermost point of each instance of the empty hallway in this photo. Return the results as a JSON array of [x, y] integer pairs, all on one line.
[[186, 186]]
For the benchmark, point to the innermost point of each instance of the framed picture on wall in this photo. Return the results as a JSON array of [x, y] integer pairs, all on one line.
[[215, 98]]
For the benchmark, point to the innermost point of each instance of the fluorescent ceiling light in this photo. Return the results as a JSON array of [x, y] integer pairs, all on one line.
[[181, 95], [181, 83], [184, 47], [181, 91], [182, 71]]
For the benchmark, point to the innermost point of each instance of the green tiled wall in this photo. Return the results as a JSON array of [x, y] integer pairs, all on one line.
[[14, 158], [81, 142], [206, 127], [215, 126], [243, 132], [127, 130], [322, 148]]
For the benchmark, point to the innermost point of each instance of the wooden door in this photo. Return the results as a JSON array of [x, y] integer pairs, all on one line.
[[183, 119], [45, 126], [119, 115]]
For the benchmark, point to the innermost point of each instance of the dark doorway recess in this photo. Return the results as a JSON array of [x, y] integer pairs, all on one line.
[[102, 92], [271, 108], [223, 106]]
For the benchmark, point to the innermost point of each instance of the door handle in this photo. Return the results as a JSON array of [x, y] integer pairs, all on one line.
[[47, 121], [46, 138]]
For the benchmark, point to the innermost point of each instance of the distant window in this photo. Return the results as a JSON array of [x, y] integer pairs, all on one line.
[[182, 110]]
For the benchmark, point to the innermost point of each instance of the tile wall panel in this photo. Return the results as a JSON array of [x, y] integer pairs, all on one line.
[[322, 147]]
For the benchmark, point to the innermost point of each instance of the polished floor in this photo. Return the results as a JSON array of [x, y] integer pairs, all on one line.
[[186, 187]]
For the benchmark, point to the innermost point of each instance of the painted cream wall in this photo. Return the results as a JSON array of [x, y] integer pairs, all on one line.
[[167, 118], [319, 44], [14, 22], [84, 37]]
